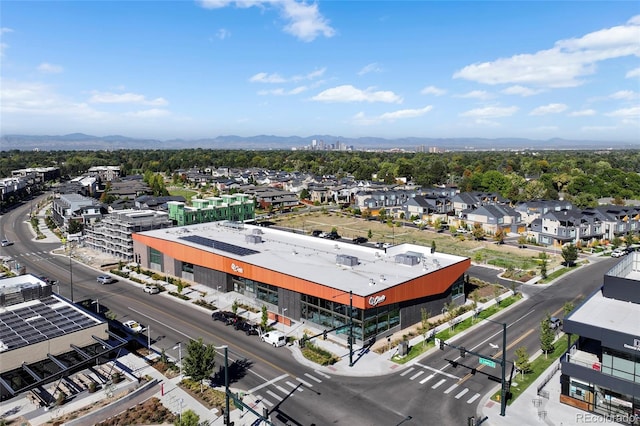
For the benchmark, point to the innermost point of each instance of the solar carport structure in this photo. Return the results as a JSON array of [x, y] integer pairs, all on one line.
[[44, 337]]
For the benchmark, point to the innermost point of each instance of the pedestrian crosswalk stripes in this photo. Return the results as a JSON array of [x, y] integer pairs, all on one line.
[[423, 381], [281, 389], [312, 377], [407, 371], [320, 373], [438, 384], [294, 386], [473, 398], [275, 395], [304, 382], [419, 373], [461, 393], [452, 387]]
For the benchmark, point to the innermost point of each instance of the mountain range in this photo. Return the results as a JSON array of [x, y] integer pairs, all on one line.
[[80, 141]]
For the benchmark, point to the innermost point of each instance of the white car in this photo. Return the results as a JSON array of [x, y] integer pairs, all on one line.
[[275, 338], [619, 252], [6, 243], [133, 326], [151, 289]]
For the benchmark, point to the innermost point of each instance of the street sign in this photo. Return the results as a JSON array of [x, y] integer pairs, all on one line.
[[487, 362]]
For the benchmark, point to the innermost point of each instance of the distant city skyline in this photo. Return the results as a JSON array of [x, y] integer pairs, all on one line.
[[201, 69]]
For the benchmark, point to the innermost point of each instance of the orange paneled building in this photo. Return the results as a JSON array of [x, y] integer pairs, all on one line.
[[313, 279]]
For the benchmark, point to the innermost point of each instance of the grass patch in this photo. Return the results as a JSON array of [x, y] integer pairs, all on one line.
[[538, 367], [318, 355], [556, 274], [210, 397], [179, 295], [205, 304], [186, 193]]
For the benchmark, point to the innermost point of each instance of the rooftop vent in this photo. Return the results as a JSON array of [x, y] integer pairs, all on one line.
[[346, 260], [407, 259], [255, 239]]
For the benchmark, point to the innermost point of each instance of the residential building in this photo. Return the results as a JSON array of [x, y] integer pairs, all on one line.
[[234, 207]]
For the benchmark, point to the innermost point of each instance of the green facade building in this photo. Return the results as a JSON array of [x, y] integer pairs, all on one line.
[[233, 207]]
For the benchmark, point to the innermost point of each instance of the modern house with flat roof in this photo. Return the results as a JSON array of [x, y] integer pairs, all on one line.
[[310, 278], [601, 372]]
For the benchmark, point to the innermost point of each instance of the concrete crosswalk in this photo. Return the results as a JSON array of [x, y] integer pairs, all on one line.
[[281, 387], [446, 382]]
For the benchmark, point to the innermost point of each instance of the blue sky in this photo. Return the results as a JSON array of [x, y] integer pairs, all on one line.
[[195, 69]]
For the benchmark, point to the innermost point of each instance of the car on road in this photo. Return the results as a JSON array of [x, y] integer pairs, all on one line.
[[105, 279], [151, 289], [224, 316], [275, 338], [333, 236], [6, 243], [359, 240], [316, 233], [133, 326], [619, 252], [555, 323]]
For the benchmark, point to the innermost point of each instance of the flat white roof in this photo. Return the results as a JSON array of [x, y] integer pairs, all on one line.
[[313, 258], [611, 314]]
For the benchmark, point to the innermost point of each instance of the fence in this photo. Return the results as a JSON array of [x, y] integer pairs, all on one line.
[[547, 379]]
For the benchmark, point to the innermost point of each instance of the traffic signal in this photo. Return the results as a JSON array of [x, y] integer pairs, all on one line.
[[462, 351], [324, 335], [303, 341], [473, 371], [440, 342]]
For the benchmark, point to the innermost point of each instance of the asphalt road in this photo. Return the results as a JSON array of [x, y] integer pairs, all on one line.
[[430, 392]]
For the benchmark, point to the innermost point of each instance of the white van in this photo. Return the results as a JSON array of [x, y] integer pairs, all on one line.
[[275, 338]]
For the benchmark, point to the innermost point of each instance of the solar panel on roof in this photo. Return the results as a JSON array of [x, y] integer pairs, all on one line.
[[219, 245]]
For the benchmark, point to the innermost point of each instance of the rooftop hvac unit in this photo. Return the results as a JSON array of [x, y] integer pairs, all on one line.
[[407, 259], [255, 239], [346, 260]]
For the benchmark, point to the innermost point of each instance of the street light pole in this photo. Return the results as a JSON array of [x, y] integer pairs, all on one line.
[[503, 365], [71, 270], [226, 385]]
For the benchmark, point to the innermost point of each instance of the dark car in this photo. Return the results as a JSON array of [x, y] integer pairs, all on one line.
[[223, 316], [247, 327], [316, 233], [360, 240], [333, 236]]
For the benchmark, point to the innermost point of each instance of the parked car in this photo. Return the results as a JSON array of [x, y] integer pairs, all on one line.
[[360, 240], [247, 327], [133, 326], [6, 243], [554, 323], [316, 233], [104, 279], [151, 289], [275, 338], [333, 236], [619, 252], [222, 316]]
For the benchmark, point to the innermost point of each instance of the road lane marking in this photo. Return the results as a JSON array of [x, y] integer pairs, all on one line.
[[294, 386], [304, 382], [438, 384], [283, 390], [473, 398], [270, 382], [423, 381], [450, 388], [435, 370], [416, 375], [326, 376], [267, 402], [312, 378], [275, 395], [407, 371], [462, 392]]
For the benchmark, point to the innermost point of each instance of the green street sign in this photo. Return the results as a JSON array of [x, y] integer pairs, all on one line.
[[487, 362]]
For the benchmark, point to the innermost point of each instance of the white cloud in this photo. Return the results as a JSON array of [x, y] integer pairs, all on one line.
[[124, 98], [625, 112], [520, 91], [223, 33], [564, 64], [625, 95], [549, 109], [149, 113], [4, 46], [304, 21], [476, 94], [275, 78], [433, 90], [263, 77], [405, 113], [485, 122], [373, 67], [633, 73], [583, 113], [491, 112], [48, 68], [362, 120], [348, 93], [282, 92]]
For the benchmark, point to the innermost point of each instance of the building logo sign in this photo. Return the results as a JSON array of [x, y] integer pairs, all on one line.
[[376, 300], [635, 346], [236, 268]]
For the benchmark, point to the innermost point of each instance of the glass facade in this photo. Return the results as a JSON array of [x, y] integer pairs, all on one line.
[[265, 292], [155, 257], [619, 364]]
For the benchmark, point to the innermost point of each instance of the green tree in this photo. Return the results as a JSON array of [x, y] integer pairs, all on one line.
[[499, 236], [433, 246], [424, 314], [544, 263], [264, 318], [234, 306], [478, 232], [570, 254], [187, 418], [547, 336], [369, 234], [199, 361], [567, 308], [522, 360]]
